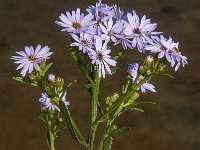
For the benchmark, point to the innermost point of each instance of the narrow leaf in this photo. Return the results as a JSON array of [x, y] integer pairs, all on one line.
[[26, 81], [119, 130], [70, 124], [43, 72], [107, 143], [137, 109]]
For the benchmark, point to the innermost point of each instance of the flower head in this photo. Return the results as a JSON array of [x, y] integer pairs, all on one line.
[[140, 31], [76, 22], [101, 11], [168, 49], [111, 30], [84, 42], [52, 103], [100, 56], [30, 58], [147, 86], [133, 70]]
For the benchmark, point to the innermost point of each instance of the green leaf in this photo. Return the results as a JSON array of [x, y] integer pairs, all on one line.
[[26, 81], [142, 102], [71, 83], [69, 123], [107, 143], [43, 72], [119, 130], [137, 109], [168, 75]]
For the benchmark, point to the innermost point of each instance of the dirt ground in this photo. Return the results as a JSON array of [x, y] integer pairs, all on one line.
[[172, 124]]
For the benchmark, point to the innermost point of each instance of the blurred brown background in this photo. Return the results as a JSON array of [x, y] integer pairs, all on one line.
[[172, 124]]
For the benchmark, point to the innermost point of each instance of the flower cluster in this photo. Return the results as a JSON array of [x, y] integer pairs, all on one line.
[[93, 33]]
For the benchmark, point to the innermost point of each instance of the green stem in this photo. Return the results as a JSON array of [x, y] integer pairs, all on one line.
[[50, 132], [94, 98], [106, 133], [51, 140], [124, 98]]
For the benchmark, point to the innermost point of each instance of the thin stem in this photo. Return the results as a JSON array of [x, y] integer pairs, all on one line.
[[124, 98], [94, 99], [119, 54], [51, 140], [50, 132], [108, 128]]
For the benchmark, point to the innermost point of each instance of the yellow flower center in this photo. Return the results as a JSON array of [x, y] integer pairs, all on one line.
[[32, 58], [76, 25]]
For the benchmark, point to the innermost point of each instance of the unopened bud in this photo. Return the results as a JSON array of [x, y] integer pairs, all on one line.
[[116, 96], [141, 68], [114, 127], [149, 59], [59, 80], [161, 68], [51, 78], [148, 72]]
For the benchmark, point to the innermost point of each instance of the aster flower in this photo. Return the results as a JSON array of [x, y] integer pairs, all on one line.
[[51, 103], [133, 70], [169, 49], [147, 86], [110, 30], [140, 31], [176, 56], [76, 22], [118, 13], [124, 40], [100, 56], [84, 42], [30, 58], [101, 11], [162, 46]]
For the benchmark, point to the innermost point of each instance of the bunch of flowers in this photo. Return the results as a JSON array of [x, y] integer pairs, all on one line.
[[93, 37]]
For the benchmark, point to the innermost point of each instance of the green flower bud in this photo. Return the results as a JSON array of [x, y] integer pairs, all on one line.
[[148, 72]]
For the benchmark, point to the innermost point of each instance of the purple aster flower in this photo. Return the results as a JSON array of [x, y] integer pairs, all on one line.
[[162, 46], [101, 11], [100, 56], [110, 30], [124, 40], [176, 56], [76, 22], [30, 58], [145, 86], [133, 70], [84, 42], [169, 49], [118, 14], [140, 31], [51, 103]]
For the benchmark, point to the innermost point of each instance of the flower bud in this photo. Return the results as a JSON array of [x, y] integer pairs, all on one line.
[[149, 59], [116, 96], [148, 72], [51, 78], [59, 80], [141, 68]]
